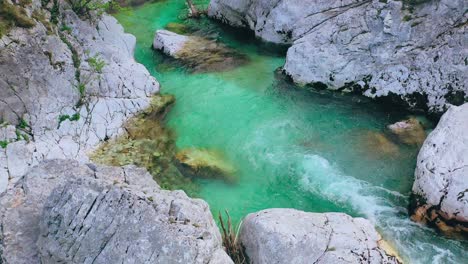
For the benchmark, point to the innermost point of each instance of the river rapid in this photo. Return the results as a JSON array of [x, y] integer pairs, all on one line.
[[292, 147]]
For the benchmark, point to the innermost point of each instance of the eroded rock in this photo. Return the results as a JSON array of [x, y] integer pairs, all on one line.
[[73, 85], [440, 189], [88, 213], [292, 236], [197, 53], [409, 52]]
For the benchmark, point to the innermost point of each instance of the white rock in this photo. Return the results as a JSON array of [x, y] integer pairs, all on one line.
[[292, 236], [66, 212], [442, 167], [38, 80], [412, 55], [169, 42]]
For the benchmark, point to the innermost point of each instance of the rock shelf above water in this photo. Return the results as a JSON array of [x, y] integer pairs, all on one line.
[[408, 52]]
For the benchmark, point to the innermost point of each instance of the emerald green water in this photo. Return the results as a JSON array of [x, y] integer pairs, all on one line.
[[291, 148]]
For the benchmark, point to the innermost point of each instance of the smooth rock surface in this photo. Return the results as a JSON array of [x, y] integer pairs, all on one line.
[[47, 76], [411, 53], [441, 184], [66, 212], [291, 236]]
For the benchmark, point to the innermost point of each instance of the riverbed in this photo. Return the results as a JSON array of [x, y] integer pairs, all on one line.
[[291, 146]]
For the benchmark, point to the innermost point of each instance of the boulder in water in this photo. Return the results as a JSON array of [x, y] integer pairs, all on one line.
[[205, 164], [440, 190], [197, 53], [409, 131], [292, 236], [376, 143]]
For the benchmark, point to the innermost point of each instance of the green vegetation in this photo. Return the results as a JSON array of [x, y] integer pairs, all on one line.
[[11, 16], [54, 12], [3, 144], [148, 144], [74, 117], [81, 7], [40, 16], [96, 63]]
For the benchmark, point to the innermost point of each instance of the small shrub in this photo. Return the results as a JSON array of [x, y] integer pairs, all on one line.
[[3, 144], [80, 7], [74, 117], [96, 63], [66, 28]]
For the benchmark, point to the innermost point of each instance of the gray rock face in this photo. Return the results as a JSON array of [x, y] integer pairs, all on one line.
[[381, 48], [441, 185], [292, 236], [71, 89], [66, 212]]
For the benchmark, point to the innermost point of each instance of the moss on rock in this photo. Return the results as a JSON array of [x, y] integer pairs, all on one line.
[[204, 163], [147, 143]]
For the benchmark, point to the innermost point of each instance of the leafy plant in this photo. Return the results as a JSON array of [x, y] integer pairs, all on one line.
[[3, 144], [74, 117], [230, 240], [81, 7], [96, 63]]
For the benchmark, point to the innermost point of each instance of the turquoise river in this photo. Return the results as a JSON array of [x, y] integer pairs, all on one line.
[[312, 150]]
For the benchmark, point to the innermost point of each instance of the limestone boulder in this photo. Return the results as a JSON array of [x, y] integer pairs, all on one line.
[[440, 188], [411, 52], [292, 236]]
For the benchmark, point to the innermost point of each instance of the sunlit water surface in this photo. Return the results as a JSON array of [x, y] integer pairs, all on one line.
[[308, 150]]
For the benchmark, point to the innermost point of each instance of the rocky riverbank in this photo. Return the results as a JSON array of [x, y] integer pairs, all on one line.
[[440, 190], [66, 84], [399, 50]]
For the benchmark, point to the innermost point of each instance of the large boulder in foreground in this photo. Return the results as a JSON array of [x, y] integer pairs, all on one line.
[[441, 185], [292, 236], [66, 212], [409, 51], [197, 53]]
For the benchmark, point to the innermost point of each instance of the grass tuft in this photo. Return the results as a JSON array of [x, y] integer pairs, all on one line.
[[230, 240]]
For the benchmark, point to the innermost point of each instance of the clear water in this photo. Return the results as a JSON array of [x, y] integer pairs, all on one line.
[[308, 150]]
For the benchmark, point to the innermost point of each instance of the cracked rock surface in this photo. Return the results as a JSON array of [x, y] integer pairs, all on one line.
[[81, 213], [441, 185], [292, 236], [412, 54], [48, 81]]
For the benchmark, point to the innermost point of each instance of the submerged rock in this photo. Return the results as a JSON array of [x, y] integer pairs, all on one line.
[[205, 164], [197, 53], [440, 189], [87, 213], [411, 52], [377, 143], [409, 131], [292, 236]]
